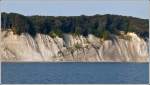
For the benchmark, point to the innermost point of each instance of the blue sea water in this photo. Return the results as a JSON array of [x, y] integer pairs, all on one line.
[[75, 73]]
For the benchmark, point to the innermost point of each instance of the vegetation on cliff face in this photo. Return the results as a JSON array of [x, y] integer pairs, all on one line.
[[98, 25]]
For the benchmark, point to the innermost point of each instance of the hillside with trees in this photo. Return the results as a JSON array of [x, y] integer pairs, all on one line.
[[98, 25]]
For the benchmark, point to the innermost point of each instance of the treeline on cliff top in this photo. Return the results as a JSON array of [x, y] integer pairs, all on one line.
[[98, 25]]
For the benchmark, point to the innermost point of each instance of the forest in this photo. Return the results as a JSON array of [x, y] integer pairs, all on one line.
[[98, 25]]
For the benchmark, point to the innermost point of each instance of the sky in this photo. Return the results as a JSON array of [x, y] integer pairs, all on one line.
[[135, 8]]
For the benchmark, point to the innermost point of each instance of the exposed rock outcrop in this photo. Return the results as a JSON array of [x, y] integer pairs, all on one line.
[[72, 48]]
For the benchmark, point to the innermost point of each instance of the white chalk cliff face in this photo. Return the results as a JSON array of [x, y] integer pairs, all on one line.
[[72, 48]]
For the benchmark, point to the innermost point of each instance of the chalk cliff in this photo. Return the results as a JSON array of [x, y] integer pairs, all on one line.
[[129, 48]]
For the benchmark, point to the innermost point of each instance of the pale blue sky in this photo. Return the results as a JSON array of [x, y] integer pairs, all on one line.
[[136, 8]]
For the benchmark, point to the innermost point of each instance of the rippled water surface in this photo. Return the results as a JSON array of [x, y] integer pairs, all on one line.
[[37, 73]]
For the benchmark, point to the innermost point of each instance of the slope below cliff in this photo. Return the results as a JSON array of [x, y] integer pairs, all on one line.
[[130, 48]]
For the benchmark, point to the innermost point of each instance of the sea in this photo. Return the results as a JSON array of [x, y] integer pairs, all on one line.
[[74, 73]]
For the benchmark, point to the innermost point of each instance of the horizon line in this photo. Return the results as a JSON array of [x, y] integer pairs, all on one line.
[[77, 15]]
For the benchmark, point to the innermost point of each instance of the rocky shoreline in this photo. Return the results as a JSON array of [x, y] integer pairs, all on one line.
[[70, 48]]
